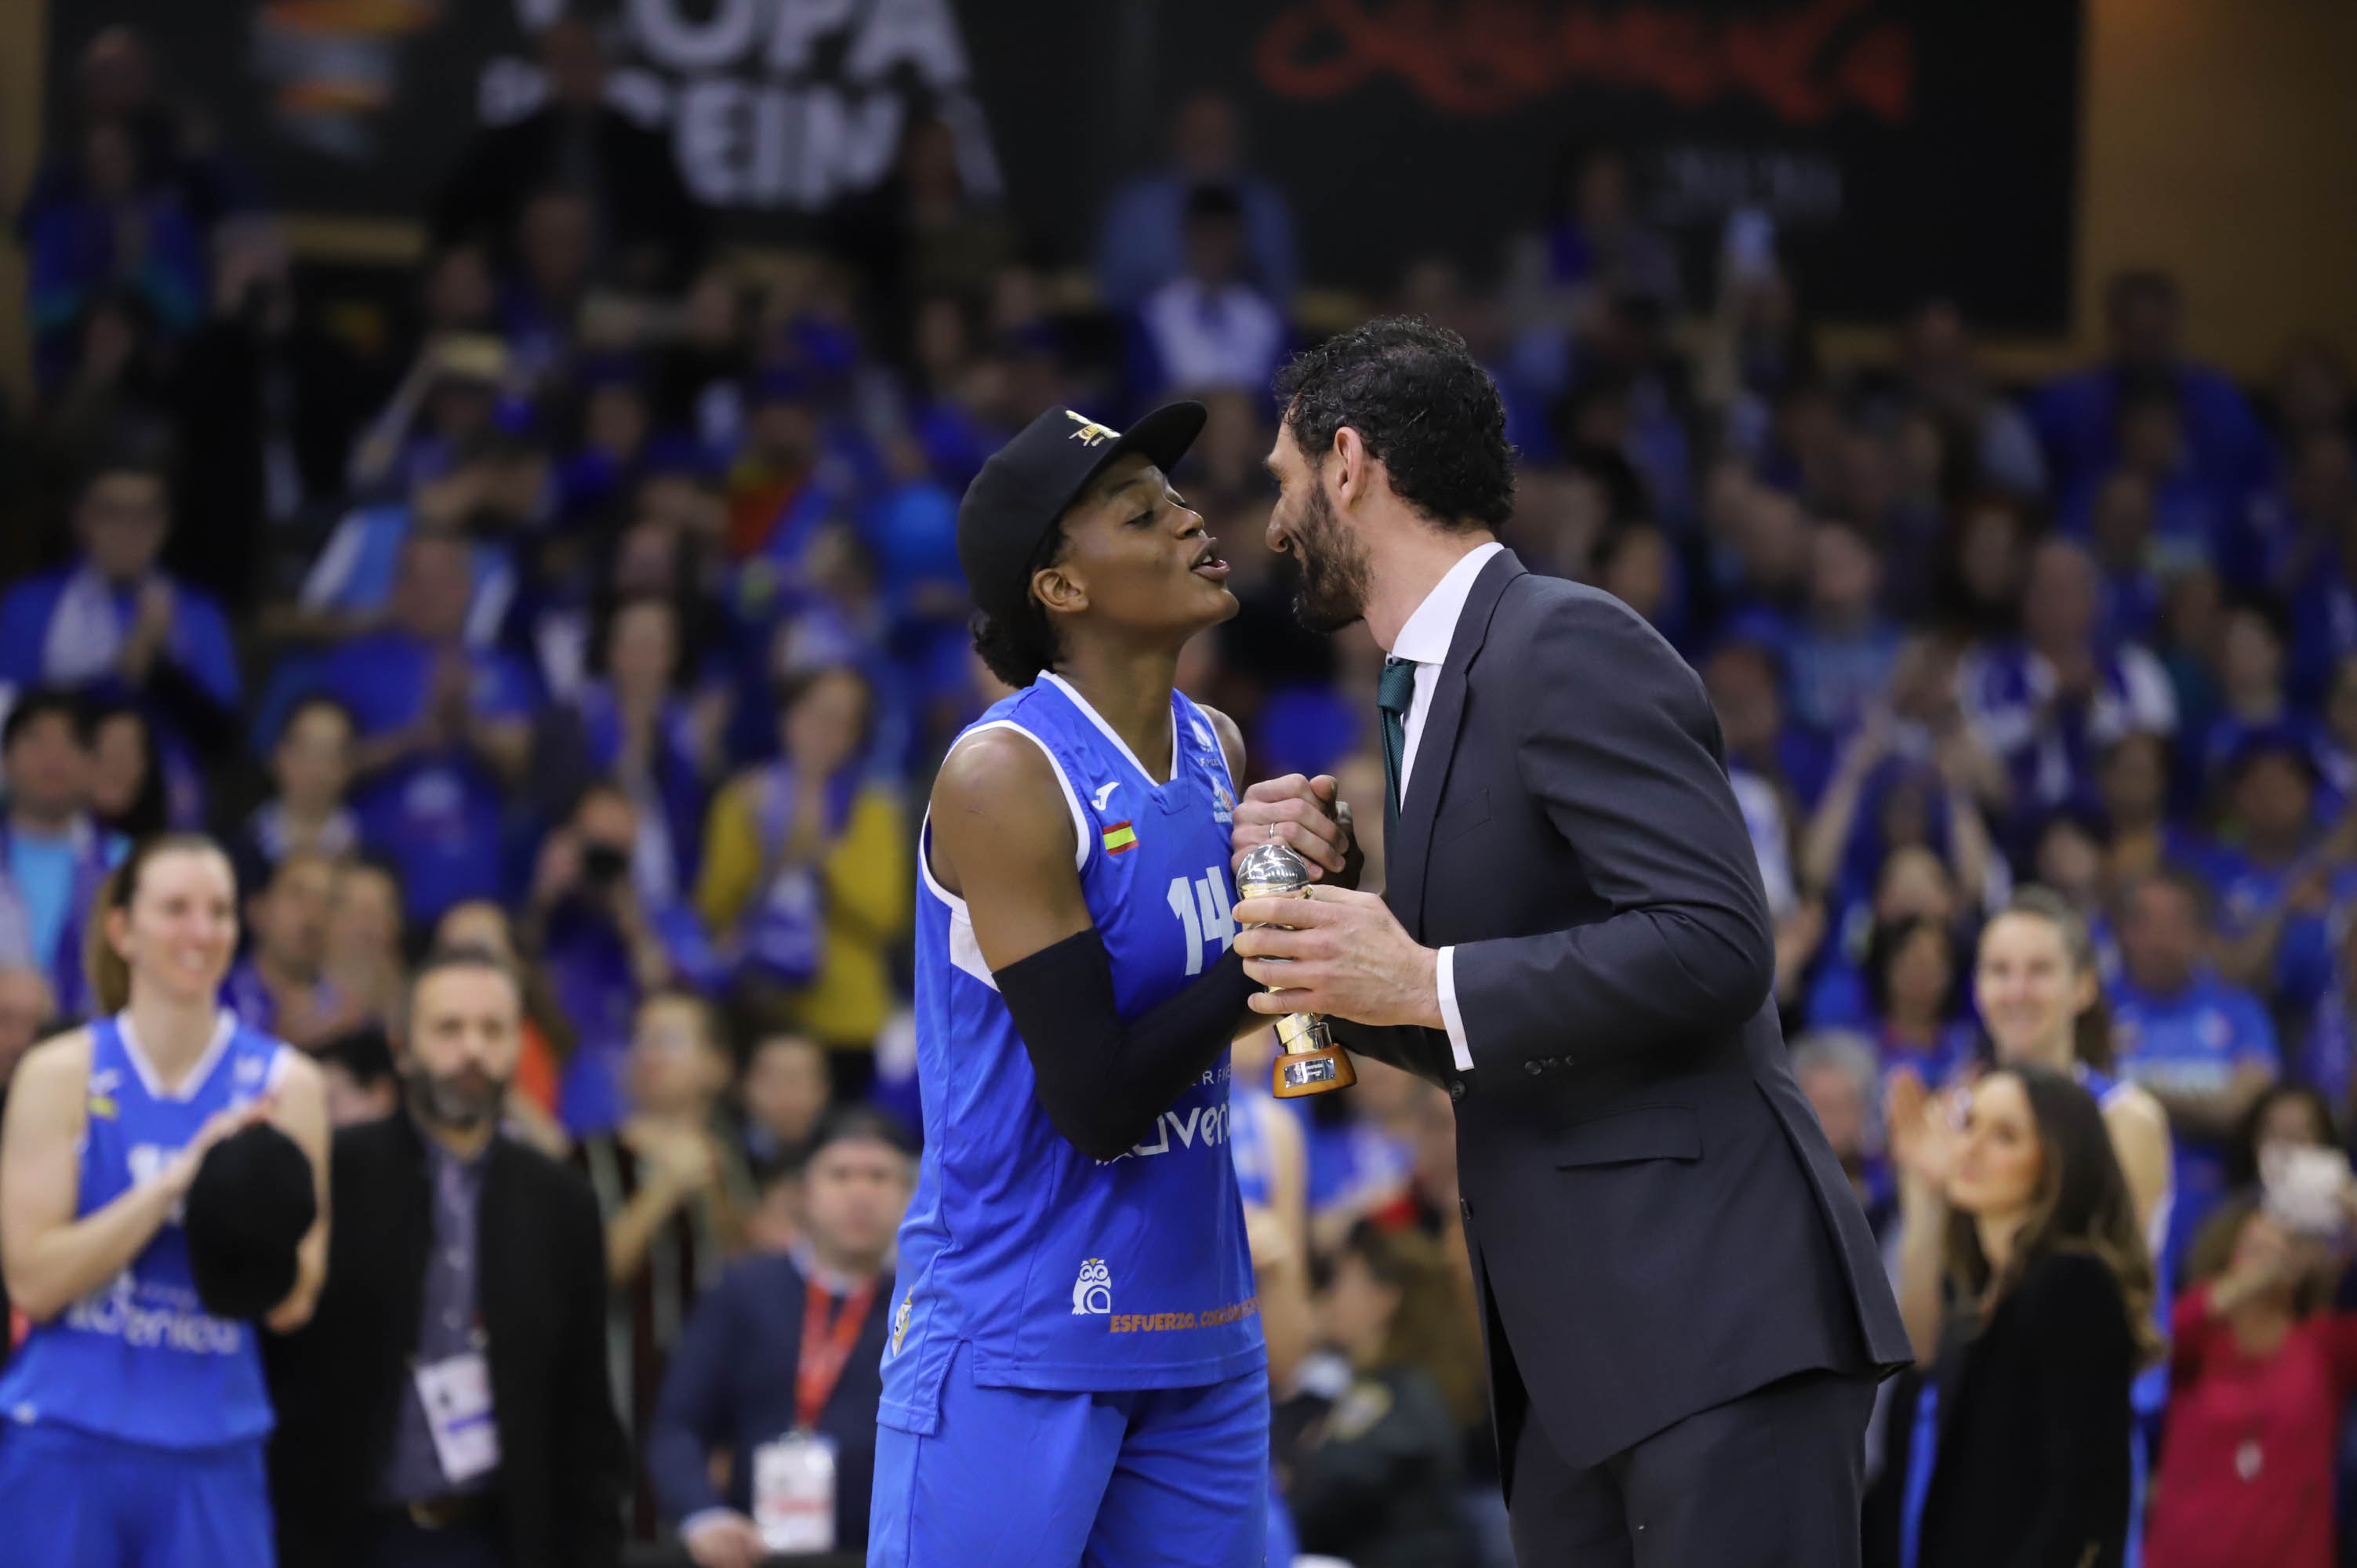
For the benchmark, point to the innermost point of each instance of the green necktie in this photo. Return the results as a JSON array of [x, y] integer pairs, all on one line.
[[1393, 693]]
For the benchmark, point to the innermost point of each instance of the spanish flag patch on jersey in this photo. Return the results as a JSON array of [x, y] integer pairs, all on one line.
[[1119, 837]]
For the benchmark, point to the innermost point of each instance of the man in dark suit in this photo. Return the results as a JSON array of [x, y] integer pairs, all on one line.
[[449, 1402], [650, 229], [1686, 1315]]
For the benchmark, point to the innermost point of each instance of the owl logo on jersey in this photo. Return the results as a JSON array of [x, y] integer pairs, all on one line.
[[1089, 432], [900, 1322], [1093, 1292]]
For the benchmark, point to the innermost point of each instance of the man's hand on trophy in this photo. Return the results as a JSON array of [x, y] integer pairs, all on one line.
[[1340, 953], [1305, 814]]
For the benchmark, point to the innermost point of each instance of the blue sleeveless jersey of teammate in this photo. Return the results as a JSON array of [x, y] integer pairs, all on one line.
[[139, 1360], [1062, 1272]]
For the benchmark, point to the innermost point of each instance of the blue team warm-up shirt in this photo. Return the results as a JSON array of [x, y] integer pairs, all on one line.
[[2192, 1043], [1062, 1273], [139, 1360]]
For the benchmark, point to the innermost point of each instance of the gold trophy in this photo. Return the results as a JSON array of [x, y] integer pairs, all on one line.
[[1307, 1059]]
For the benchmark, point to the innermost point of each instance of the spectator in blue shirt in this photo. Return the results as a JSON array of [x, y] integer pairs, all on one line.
[[738, 1380], [2318, 569], [2251, 690], [53, 854], [2050, 703], [311, 764], [1208, 329], [2076, 417], [2203, 1049], [443, 729], [115, 627], [118, 227], [1140, 243], [2275, 884], [1911, 973], [2195, 518], [1842, 654], [280, 986]]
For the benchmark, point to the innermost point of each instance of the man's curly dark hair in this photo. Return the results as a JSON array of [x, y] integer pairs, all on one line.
[[1422, 404]]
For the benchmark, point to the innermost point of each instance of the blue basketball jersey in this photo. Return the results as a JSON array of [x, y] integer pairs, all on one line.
[[1063, 1273], [139, 1358]]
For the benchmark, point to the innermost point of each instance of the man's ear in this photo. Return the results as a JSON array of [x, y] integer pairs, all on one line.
[[1352, 466]]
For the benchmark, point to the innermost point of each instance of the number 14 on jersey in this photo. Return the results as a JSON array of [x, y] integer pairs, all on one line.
[[1202, 907]]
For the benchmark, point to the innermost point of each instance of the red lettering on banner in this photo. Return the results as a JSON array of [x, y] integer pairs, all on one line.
[[1485, 57]]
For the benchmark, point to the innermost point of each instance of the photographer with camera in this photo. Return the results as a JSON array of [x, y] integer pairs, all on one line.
[[606, 943]]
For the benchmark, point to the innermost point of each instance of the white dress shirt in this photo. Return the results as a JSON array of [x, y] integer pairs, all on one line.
[[1423, 641]]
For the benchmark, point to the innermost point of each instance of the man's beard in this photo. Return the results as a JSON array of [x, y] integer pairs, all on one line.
[[1332, 590], [461, 1102]]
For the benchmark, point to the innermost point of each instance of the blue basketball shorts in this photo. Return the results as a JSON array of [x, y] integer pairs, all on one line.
[[1021, 1479], [74, 1500]]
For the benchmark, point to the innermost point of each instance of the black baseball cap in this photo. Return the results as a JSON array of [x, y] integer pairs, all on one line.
[[250, 1207], [1029, 482]]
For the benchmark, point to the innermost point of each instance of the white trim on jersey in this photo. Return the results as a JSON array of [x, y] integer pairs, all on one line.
[[224, 1031], [965, 952], [1107, 730]]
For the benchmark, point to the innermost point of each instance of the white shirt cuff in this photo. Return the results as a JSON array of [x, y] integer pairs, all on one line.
[[1447, 973]]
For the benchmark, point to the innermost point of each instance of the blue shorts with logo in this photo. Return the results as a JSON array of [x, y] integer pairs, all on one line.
[[74, 1500], [1021, 1479]]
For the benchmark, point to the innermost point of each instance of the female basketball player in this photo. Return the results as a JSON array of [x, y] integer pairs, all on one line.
[[1075, 1371], [135, 1420]]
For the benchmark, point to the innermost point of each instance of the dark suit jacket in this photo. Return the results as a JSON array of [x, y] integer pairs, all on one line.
[[730, 1387], [540, 1289], [2032, 1471], [1655, 1218]]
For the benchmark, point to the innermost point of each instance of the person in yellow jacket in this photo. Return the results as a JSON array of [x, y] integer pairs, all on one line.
[[806, 881]]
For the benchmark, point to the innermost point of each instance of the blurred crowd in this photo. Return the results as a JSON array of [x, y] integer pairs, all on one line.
[[599, 605]]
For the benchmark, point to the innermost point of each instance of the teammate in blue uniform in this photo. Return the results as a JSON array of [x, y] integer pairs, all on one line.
[[132, 1420], [1075, 1373]]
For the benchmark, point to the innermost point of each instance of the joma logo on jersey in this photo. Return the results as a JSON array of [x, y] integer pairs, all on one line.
[[1093, 1292]]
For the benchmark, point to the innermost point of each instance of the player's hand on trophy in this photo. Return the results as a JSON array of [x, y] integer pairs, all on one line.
[[1305, 814], [1345, 955]]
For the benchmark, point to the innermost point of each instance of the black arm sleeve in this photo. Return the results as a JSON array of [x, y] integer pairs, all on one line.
[[1103, 1081]]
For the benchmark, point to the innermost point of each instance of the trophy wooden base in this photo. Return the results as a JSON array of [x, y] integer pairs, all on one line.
[[1296, 1073]]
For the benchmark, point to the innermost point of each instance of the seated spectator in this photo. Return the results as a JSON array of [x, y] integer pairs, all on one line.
[[362, 961], [2127, 559], [787, 1346], [2203, 1049], [2336, 743], [546, 283], [2047, 703], [311, 764], [2275, 882], [2251, 697], [1841, 654], [443, 729], [357, 1067], [53, 854], [2192, 522], [2132, 789], [481, 925], [606, 945], [649, 227], [631, 722], [118, 226], [674, 1193], [113, 626], [1843, 1081], [2077, 417], [130, 793], [2048, 1316], [2261, 1373], [786, 1089], [1912, 882], [493, 491], [448, 405], [1140, 243], [1207, 329], [1938, 367], [806, 878], [1912, 976], [1374, 1480], [1595, 246], [280, 986]]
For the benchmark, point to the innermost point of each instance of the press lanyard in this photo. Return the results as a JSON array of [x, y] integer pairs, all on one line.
[[826, 1348]]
